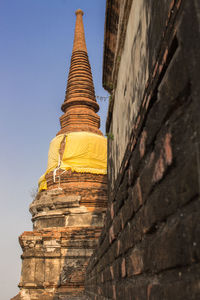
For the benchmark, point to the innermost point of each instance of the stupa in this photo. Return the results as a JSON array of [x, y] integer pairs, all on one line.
[[68, 210]]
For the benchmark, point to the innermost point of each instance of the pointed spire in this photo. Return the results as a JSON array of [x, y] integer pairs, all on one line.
[[80, 106], [79, 35]]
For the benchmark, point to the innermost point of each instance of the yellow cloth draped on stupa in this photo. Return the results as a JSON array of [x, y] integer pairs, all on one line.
[[84, 152]]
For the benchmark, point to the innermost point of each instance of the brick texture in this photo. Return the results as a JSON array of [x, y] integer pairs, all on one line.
[[149, 247]]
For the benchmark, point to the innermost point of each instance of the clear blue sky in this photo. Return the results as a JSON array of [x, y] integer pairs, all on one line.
[[36, 38]]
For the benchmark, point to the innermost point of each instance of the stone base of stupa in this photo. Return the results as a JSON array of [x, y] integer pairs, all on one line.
[[54, 261], [67, 223]]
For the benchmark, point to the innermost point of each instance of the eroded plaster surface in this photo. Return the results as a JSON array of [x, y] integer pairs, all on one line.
[[132, 77]]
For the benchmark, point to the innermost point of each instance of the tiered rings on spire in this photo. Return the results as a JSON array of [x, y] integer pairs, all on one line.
[[80, 88], [80, 106]]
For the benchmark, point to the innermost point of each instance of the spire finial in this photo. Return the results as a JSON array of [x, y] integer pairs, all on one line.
[[79, 11], [79, 35]]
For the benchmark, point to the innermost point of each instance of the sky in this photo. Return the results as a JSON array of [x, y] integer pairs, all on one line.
[[36, 38]]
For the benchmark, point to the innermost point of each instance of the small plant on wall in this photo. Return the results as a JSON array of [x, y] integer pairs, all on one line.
[[110, 136]]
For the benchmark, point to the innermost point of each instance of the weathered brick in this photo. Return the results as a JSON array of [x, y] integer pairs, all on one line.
[[123, 268], [171, 194], [117, 268], [176, 241], [182, 283], [135, 261], [117, 225], [125, 239], [156, 187], [126, 211]]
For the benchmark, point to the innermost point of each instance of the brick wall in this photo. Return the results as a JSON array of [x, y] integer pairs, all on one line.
[[150, 245]]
